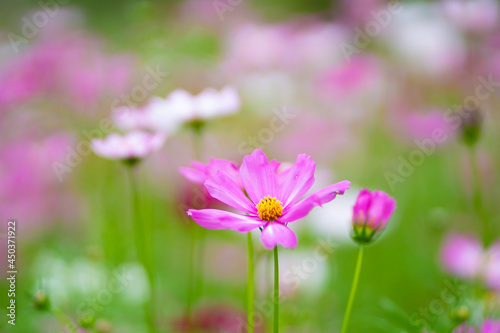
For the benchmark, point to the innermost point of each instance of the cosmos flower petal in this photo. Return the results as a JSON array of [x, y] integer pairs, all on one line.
[[276, 233], [198, 172], [193, 175], [380, 209], [318, 198], [220, 219], [258, 176], [223, 188], [298, 181]]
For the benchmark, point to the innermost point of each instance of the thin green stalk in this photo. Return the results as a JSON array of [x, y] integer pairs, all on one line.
[[140, 237], [276, 292], [195, 279], [250, 285], [64, 319], [190, 295], [138, 230], [477, 196], [353, 290]]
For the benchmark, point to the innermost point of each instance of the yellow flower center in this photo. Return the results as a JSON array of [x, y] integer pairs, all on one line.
[[269, 208]]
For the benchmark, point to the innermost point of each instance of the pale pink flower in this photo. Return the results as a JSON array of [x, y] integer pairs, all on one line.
[[178, 108], [133, 145], [429, 125]]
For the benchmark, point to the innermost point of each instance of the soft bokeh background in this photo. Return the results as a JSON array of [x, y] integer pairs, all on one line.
[[357, 103]]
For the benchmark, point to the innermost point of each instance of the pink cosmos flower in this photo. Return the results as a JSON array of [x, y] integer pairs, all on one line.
[[269, 205], [462, 255], [133, 145], [370, 215], [177, 108]]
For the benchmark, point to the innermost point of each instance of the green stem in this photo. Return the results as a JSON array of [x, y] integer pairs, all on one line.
[[191, 273], [195, 279], [198, 143], [140, 236], [64, 319], [138, 231], [276, 292], [477, 196], [250, 286], [353, 290]]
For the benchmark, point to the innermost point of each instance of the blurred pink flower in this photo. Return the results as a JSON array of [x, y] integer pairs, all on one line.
[[72, 65], [490, 326], [464, 328], [472, 15], [370, 215], [133, 145], [268, 206], [462, 255], [291, 45], [179, 107], [425, 126], [29, 189], [214, 319], [349, 78], [357, 13]]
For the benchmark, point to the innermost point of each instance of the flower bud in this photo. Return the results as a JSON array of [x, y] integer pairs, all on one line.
[[460, 314], [470, 127], [87, 320], [370, 215], [41, 301]]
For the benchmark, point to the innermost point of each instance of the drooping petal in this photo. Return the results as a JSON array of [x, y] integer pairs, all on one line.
[[223, 188], [275, 233], [298, 181], [318, 198], [193, 175], [220, 219], [258, 176]]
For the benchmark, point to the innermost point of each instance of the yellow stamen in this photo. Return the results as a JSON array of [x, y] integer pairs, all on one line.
[[269, 208]]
